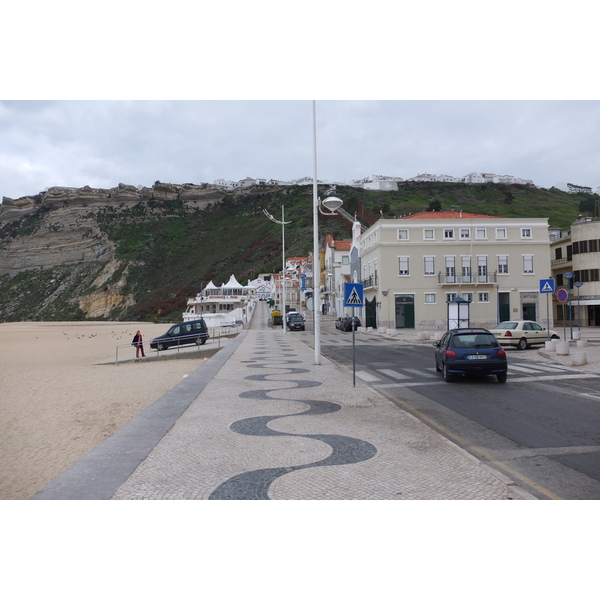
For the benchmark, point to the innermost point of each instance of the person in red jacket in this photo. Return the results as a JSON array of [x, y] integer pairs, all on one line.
[[139, 344]]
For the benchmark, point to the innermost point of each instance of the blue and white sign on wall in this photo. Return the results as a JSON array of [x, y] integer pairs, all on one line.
[[547, 286], [353, 294]]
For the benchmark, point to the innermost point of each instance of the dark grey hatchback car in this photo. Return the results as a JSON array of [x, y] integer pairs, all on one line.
[[470, 352]]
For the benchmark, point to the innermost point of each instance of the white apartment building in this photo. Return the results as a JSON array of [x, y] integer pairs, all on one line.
[[412, 267]]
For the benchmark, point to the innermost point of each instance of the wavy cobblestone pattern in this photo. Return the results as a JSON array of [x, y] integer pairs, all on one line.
[[254, 485]]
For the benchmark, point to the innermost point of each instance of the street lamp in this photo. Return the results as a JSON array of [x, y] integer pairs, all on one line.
[[568, 276], [283, 223], [332, 204], [578, 284]]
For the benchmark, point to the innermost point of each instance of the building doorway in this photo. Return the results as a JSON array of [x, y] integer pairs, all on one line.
[[529, 312], [504, 306], [405, 311], [371, 313]]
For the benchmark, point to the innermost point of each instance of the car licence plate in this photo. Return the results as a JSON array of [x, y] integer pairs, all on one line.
[[477, 356]]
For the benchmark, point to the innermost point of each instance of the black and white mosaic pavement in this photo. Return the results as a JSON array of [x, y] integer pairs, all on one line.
[[254, 485]]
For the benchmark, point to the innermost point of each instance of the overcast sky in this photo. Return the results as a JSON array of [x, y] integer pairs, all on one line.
[[104, 143], [226, 92]]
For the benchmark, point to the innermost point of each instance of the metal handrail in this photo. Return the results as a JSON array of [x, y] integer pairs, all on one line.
[[217, 334]]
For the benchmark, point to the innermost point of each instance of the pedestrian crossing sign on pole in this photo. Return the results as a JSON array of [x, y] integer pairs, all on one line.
[[547, 286], [353, 294]]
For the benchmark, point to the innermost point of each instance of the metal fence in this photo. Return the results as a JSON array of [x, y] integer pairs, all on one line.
[[215, 334]]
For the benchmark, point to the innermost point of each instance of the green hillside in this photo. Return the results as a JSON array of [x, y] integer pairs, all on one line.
[[167, 250]]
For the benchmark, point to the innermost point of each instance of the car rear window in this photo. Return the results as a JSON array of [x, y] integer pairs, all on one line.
[[506, 325], [474, 340]]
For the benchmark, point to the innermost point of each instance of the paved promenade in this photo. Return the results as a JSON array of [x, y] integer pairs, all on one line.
[[261, 421]]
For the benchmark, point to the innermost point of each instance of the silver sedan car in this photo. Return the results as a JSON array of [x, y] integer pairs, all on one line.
[[522, 334]]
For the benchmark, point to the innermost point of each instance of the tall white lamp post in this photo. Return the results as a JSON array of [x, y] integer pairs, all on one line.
[[331, 203], [283, 223]]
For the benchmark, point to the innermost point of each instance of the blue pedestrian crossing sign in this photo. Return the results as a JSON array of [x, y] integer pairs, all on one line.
[[353, 294], [547, 286]]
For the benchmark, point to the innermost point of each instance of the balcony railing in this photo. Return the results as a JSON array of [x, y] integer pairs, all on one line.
[[446, 279], [371, 281]]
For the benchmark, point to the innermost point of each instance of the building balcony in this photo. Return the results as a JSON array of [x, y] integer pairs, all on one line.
[[475, 280], [371, 281]]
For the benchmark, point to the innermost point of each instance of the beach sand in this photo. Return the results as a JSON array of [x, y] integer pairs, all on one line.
[[61, 393]]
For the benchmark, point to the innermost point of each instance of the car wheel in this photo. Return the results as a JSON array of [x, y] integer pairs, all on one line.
[[447, 376], [200, 341], [555, 337], [522, 345], [501, 377], [162, 346]]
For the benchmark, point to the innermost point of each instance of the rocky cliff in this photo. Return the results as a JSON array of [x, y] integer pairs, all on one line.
[[59, 228], [57, 235]]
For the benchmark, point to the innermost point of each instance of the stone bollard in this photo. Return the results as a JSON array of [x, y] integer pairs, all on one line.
[[550, 345], [390, 332], [582, 343], [577, 335], [562, 348], [579, 358], [423, 335]]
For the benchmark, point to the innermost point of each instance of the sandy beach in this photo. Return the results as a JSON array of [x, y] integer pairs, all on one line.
[[61, 393]]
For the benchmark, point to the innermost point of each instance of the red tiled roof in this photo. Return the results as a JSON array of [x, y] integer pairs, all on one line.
[[343, 245], [448, 214]]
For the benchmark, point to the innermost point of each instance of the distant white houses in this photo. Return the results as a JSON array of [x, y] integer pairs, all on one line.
[[571, 188], [390, 183], [378, 182]]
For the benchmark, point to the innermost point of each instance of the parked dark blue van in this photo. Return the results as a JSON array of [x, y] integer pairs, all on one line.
[[188, 332]]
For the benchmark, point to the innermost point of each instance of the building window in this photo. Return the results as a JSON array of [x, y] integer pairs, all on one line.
[[345, 260], [466, 269], [465, 234], [528, 264], [450, 270], [467, 296], [481, 233], [526, 233], [402, 234], [501, 233], [482, 271], [448, 234], [403, 265], [450, 296], [428, 234], [484, 297], [429, 265], [503, 264], [429, 298]]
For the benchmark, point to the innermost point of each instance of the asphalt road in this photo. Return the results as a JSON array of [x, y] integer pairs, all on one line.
[[541, 428]]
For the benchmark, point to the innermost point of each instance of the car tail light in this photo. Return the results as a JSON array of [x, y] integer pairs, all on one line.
[[508, 334], [451, 353], [502, 352]]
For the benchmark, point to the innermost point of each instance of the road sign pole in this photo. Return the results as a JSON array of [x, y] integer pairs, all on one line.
[[548, 315], [353, 348]]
